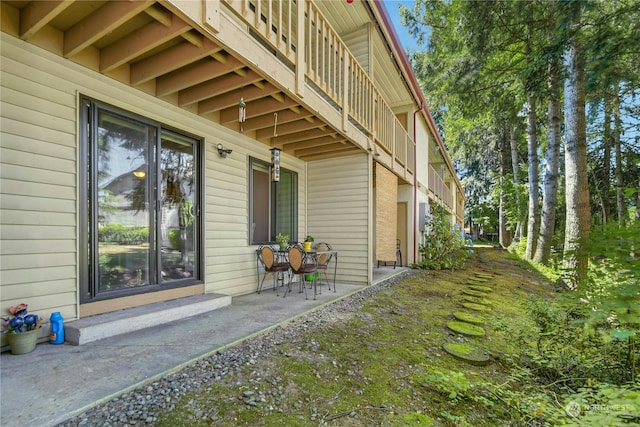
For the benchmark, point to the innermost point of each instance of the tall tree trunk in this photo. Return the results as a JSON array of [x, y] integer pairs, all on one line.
[[606, 163], [550, 191], [617, 130], [638, 202], [515, 166], [504, 167], [502, 222], [578, 221], [533, 222]]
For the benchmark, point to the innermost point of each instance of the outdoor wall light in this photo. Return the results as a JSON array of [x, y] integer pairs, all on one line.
[[223, 151], [275, 164]]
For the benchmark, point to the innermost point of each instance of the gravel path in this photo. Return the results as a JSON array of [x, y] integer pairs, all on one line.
[[144, 405]]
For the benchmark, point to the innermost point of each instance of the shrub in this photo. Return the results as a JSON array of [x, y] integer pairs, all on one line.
[[444, 246], [175, 240], [118, 233]]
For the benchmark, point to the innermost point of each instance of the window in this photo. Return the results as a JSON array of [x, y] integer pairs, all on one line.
[[141, 216], [273, 206]]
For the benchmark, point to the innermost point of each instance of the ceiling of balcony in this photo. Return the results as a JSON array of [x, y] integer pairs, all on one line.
[[147, 46]]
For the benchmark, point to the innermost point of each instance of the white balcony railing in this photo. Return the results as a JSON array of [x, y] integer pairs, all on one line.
[[439, 188], [298, 32]]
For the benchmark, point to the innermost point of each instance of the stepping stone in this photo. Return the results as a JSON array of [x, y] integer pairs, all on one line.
[[465, 328], [484, 275], [478, 279], [467, 353], [476, 300], [463, 316], [481, 288], [477, 307], [474, 293]]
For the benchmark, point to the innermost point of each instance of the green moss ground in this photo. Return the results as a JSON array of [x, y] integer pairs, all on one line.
[[464, 316], [485, 289], [476, 300], [474, 293], [465, 328], [467, 353], [375, 365]]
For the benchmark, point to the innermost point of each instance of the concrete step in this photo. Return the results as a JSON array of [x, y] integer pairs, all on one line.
[[106, 325]]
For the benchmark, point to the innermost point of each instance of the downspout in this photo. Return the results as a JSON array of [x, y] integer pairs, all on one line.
[[415, 184]]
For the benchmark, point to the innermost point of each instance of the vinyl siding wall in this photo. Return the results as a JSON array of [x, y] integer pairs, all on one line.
[[359, 45], [339, 207], [38, 187]]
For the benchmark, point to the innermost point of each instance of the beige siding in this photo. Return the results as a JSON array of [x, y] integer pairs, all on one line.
[[358, 44], [38, 249], [338, 193], [38, 187]]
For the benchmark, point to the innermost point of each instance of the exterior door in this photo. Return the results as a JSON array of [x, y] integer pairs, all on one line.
[[402, 230]]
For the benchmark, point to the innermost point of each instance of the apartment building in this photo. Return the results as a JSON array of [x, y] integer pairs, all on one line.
[[148, 148]]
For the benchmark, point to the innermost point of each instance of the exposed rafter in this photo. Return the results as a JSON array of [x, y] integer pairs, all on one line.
[[38, 14], [100, 23], [232, 98], [219, 86], [139, 42]]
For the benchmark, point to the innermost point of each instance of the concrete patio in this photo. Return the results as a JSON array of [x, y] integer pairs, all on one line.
[[55, 382]]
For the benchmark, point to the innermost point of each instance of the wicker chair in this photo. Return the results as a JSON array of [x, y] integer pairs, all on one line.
[[301, 264], [267, 258]]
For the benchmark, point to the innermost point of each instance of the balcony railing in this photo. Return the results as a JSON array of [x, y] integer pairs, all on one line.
[[439, 188], [302, 36]]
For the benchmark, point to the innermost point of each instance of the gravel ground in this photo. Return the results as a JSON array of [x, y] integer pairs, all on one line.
[[145, 404]]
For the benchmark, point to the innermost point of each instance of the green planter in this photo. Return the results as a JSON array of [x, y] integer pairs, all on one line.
[[312, 277], [23, 343]]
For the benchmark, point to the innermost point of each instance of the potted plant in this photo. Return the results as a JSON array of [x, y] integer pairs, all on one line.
[[307, 243], [283, 241], [21, 329]]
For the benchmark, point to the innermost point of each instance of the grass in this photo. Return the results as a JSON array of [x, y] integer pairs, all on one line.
[[383, 364]]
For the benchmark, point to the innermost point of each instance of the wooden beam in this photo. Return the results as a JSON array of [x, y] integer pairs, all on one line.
[[160, 14], [195, 39], [232, 98], [212, 15], [220, 57], [218, 86], [267, 121], [321, 149], [289, 128], [315, 142], [301, 136], [37, 14], [194, 74], [140, 41], [103, 21], [165, 17], [333, 154], [258, 108], [170, 60]]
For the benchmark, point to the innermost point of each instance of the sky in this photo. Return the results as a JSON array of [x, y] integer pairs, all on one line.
[[392, 9]]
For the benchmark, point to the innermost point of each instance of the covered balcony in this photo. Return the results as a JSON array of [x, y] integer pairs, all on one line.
[[319, 80]]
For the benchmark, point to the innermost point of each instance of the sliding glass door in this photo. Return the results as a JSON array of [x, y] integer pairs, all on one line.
[[142, 210]]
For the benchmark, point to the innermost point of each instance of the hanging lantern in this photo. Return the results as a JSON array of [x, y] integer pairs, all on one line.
[[275, 164], [242, 113]]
